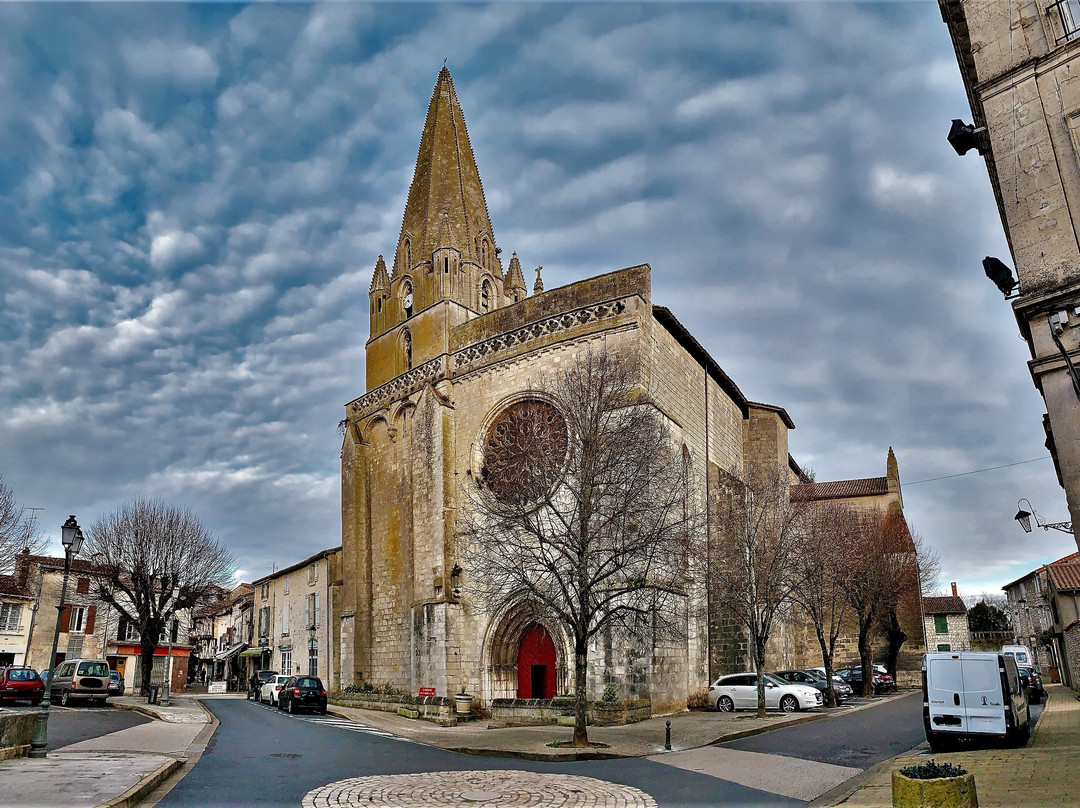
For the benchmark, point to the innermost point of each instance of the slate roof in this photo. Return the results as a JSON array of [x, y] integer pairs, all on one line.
[[946, 605], [840, 489], [9, 586], [52, 562], [1065, 576]]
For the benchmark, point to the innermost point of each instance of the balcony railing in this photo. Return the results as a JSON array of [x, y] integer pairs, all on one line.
[[1065, 14]]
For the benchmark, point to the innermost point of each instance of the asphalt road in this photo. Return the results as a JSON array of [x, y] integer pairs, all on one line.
[[859, 738], [68, 725], [260, 756]]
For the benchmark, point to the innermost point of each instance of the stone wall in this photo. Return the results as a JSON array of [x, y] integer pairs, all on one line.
[[957, 637], [16, 733]]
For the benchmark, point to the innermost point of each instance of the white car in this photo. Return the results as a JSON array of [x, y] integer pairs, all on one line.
[[738, 691], [269, 692]]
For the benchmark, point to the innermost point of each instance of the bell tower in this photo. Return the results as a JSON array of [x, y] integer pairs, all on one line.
[[446, 266]]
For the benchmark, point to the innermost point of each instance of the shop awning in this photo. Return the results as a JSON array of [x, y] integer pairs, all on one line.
[[231, 651], [254, 652]]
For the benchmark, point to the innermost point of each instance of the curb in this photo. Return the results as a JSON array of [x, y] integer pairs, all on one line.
[[134, 795]]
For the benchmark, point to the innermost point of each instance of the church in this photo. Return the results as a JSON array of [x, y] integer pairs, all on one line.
[[455, 340]]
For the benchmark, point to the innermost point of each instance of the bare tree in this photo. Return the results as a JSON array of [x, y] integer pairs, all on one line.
[[149, 548], [757, 531], [913, 577], [18, 529], [584, 509], [818, 570], [883, 569]]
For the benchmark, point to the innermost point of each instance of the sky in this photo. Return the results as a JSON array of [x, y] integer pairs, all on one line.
[[193, 197]]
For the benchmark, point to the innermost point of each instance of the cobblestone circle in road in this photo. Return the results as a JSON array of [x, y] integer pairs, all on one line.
[[477, 789]]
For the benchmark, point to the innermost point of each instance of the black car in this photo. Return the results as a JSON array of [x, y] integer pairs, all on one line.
[[842, 690], [302, 692], [1033, 684], [853, 676], [262, 677]]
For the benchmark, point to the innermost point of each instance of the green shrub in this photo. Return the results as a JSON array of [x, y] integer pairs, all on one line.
[[611, 693], [932, 770]]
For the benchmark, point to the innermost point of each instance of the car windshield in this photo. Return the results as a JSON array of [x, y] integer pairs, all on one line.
[[308, 681], [25, 675], [93, 669], [280, 680], [776, 680]]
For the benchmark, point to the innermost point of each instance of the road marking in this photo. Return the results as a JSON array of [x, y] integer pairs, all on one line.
[[335, 721]]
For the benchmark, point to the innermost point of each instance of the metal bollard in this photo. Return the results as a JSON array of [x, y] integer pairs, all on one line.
[[667, 736]]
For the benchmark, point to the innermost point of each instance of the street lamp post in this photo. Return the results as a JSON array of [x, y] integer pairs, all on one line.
[[71, 537], [168, 667]]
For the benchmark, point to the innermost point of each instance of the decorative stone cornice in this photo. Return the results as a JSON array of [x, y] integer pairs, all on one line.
[[400, 386]]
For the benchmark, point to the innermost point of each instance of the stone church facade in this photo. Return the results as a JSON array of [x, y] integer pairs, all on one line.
[[456, 340]]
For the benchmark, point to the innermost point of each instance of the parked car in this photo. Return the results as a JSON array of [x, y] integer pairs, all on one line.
[[738, 691], [810, 679], [1033, 684], [86, 679], [853, 676], [268, 693], [116, 684], [21, 683], [44, 674], [972, 694], [888, 685], [261, 677], [301, 692]]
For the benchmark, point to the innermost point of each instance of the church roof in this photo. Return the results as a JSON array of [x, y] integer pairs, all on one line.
[[840, 489], [446, 196]]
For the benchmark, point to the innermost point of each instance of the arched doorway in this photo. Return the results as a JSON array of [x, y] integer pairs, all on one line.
[[536, 665]]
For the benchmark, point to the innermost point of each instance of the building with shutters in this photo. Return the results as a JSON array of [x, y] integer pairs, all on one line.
[[16, 611], [293, 612], [946, 624]]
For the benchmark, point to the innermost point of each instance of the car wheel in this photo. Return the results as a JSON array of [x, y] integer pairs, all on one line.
[[1021, 736], [35, 702], [322, 711], [940, 743], [64, 697], [725, 705], [789, 704]]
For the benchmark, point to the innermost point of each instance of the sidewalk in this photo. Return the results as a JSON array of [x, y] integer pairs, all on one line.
[[688, 731], [115, 770], [1043, 774]]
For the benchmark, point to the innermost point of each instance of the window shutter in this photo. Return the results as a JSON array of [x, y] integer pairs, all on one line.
[[65, 619], [82, 586], [90, 619], [316, 596]]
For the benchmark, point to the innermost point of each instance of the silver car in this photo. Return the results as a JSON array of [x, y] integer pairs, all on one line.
[[738, 691], [269, 692]]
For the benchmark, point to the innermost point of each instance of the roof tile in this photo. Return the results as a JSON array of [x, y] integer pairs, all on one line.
[[946, 605]]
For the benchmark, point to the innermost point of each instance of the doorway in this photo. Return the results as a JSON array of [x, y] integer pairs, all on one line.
[[536, 665]]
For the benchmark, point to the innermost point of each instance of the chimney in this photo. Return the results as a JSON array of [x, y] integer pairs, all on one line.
[[954, 590]]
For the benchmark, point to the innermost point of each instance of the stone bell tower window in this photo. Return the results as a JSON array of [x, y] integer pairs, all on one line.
[[406, 298], [406, 348], [485, 296]]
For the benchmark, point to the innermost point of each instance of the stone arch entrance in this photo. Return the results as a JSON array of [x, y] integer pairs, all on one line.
[[517, 639], [536, 675]]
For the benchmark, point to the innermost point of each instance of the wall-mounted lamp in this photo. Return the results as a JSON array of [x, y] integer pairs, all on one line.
[[997, 271], [964, 136], [1024, 518]]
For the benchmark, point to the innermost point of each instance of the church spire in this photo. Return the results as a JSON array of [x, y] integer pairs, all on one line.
[[514, 284], [446, 196]]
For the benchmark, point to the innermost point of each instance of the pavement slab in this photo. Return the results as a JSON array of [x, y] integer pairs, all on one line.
[[74, 779], [776, 774]]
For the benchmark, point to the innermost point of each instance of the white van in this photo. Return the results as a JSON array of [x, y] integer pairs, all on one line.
[[973, 694], [1021, 653]]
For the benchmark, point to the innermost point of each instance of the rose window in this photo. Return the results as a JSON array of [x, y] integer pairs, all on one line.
[[524, 451]]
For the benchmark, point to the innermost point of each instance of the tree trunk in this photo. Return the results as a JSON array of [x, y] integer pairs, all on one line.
[[146, 662], [759, 661], [897, 637], [827, 661], [866, 658], [581, 704]]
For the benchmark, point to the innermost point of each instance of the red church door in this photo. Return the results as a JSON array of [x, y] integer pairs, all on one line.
[[536, 665]]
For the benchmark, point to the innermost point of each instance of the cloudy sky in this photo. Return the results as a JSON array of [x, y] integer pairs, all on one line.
[[192, 198]]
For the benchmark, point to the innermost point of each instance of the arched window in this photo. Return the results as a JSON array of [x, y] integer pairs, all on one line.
[[485, 296], [483, 253], [408, 254], [406, 348], [406, 298]]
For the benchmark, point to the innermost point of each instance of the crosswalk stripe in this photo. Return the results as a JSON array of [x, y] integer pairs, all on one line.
[[339, 723]]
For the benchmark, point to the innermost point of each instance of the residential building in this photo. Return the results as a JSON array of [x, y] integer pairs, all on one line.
[[16, 612], [1031, 613], [945, 623], [1064, 580], [296, 614], [1018, 62]]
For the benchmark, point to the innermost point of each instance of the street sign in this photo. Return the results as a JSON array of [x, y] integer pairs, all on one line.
[[216, 687], [427, 691]]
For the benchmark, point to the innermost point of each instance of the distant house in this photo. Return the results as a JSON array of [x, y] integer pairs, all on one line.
[[945, 623], [1064, 580], [16, 611], [1032, 614]]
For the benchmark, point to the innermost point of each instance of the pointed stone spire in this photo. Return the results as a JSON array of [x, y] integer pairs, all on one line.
[[538, 287], [892, 479], [379, 279], [446, 185], [892, 470], [515, 281]]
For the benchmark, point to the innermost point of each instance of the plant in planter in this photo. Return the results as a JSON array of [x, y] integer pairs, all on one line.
[[463, 702], [934, 785]]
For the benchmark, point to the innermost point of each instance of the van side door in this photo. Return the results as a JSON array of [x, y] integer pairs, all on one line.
[[983, 698]]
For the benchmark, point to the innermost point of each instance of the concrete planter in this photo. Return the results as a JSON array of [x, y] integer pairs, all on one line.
[[941, 792], [463, 703]]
